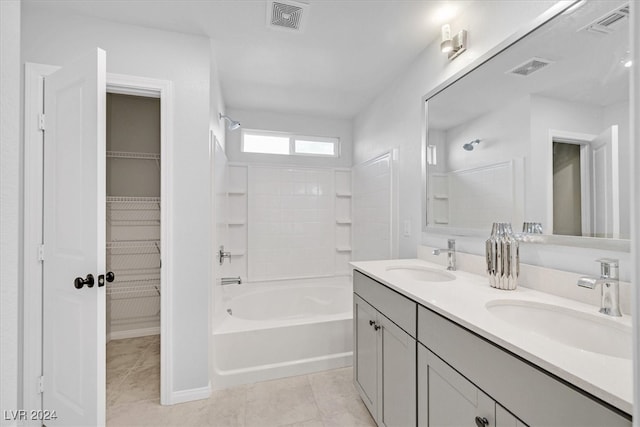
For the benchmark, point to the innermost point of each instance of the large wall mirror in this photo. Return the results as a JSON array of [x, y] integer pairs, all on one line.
[[540, 133]]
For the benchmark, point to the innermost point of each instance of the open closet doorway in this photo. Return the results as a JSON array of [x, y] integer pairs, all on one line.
[[57, 346], [133, 242]]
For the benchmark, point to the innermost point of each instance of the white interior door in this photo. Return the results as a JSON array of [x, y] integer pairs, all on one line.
[[605, 190], [74, 240]]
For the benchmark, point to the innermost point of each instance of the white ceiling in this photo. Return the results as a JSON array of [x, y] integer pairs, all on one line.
[[349, 51]]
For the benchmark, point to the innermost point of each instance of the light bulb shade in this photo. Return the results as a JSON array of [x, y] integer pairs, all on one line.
[[446, 46], [446, 32]]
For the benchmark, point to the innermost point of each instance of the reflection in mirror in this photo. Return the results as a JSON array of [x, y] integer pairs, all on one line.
[[538, 133]]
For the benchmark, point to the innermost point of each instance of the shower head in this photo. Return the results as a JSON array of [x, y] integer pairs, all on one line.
[[469, 145], [232, 124]]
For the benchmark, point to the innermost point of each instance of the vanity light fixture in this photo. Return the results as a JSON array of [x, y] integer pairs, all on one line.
[[453, 46], [232, 124]]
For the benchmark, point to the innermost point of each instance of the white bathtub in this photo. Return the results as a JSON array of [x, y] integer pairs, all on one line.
[[280, 329]]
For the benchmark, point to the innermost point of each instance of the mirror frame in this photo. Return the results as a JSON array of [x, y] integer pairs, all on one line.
[[619, 245]]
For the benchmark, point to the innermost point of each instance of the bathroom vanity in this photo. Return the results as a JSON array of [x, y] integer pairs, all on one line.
[[434, 348]]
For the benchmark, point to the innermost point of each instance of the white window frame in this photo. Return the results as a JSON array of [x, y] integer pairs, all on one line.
[[293, 137]]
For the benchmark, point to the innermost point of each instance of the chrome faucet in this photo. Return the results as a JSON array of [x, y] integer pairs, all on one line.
[[222, 255], [610, 299], [451, 254]]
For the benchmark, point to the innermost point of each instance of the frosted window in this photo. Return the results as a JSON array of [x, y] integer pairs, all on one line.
[[266, 144], [284, 143], [317, 148]]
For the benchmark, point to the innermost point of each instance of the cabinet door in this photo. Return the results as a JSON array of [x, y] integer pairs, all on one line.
[[365, 369], [397, 388], [507, 419], [446, 398]]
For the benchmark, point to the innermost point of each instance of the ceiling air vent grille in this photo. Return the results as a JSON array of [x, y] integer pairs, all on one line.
[[529, 67], [286, 15], [604, 24]]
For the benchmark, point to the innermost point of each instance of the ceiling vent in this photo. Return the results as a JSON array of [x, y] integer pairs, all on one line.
[[606, 24], [530, 67], [286, 15]]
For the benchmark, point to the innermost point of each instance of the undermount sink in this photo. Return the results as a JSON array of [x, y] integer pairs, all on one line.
[[424, 274], [583, 331]]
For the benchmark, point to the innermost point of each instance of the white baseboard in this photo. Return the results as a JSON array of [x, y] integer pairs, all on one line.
[[190, 395], [133, 333]]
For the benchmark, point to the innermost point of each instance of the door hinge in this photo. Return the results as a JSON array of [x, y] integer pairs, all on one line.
[[41, 121], [41, 253], [41, 384]]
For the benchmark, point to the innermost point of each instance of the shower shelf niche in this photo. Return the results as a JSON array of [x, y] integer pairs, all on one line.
[[343, 219], [440, 204]]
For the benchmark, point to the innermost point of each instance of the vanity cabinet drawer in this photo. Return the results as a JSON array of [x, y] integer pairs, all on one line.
[[531, 394], [401, 310]]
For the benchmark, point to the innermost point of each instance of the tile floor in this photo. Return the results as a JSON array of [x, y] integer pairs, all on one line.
[[323, 399]]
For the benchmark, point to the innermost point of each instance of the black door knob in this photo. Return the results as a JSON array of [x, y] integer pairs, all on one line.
[[109, 276], [80, 282], [482, 422]]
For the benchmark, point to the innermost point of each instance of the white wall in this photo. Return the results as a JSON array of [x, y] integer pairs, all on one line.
[[9, 204], [394, 118], [185, 60], [216, 100], [503, 134], [293, 123]]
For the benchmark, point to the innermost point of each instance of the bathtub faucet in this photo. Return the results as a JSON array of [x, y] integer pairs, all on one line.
[[231, 281], [222, 255]]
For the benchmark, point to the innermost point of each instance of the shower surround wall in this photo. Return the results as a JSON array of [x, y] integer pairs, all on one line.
[[291, 221], [287, 223]]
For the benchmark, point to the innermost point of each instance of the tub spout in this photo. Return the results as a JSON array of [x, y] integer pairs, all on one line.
[[231, 281]]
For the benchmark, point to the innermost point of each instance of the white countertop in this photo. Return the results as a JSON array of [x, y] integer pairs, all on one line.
[[463, 301]]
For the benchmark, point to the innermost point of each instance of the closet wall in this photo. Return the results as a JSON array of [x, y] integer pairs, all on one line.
[[133, 215]]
